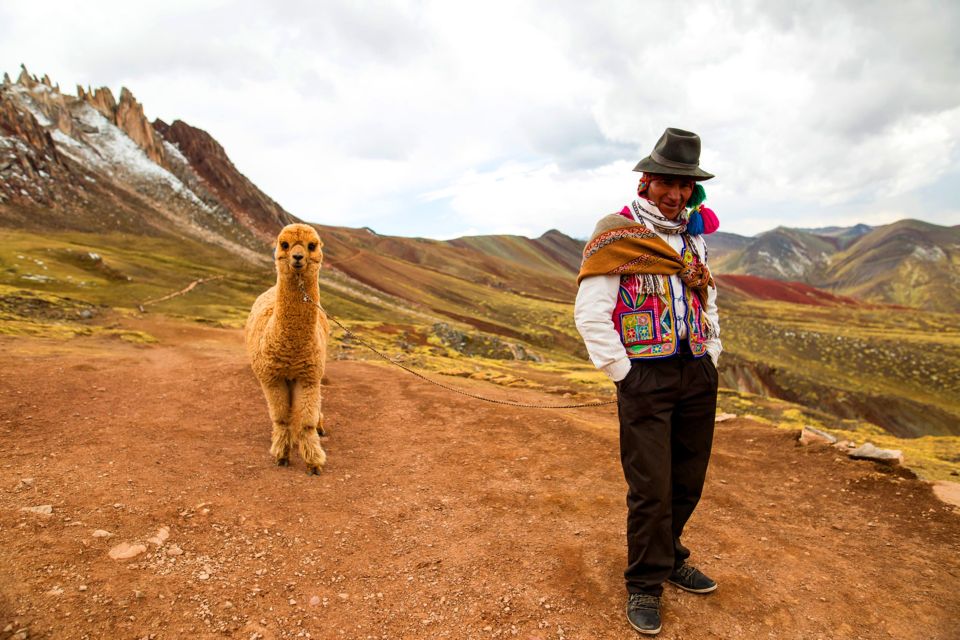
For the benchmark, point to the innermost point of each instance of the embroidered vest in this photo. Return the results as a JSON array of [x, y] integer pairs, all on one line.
[[647, 324]]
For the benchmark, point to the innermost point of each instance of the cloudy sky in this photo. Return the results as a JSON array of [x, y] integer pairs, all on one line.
[[450, 118]]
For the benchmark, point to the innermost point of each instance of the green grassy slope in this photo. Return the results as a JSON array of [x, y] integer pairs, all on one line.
[[121, 271], [901, 372]]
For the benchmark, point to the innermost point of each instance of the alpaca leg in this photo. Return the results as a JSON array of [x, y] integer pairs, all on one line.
[[310, 450], [278, 402], [305, 422]]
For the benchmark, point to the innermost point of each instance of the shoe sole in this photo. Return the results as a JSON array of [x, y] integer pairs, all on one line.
[[680, 586], [648, 632]]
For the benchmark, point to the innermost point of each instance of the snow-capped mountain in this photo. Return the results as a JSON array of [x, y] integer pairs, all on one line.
[[90, 162]]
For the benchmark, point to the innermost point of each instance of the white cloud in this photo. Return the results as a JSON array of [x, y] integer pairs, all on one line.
[[427, 118]]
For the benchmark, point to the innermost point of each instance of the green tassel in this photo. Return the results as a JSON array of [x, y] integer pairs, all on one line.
[[698, 197]]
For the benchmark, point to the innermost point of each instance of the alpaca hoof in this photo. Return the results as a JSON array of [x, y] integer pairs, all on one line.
[[313, 471], [283, 462]]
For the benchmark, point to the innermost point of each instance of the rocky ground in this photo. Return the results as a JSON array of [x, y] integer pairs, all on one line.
[[436, 517]]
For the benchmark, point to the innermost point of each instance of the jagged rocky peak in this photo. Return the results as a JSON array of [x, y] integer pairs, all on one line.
[[103, 101], [131, 119], [51, 104], [23, 125], [127, 114], [25, 79], [30, 163]]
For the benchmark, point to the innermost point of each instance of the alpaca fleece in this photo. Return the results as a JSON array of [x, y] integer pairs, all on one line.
[[286, 341]]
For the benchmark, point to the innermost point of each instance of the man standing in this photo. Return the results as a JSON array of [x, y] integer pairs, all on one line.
[[647, 312]]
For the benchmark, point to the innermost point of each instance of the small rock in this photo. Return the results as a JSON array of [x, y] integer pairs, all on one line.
[[82, 587], [203, 575], [42, 510], [314, 601], [25, 483], [174, 550], [56, 591], [343, 596], [868, 451], [101, 533], [160, 537], [125, 551], [723, 417], [810, 435]]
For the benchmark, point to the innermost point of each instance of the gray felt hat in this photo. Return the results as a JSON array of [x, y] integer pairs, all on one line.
[[677, 154]]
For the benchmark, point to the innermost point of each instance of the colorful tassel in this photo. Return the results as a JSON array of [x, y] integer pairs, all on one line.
[[695, 224], [710, 220], [698, 197]]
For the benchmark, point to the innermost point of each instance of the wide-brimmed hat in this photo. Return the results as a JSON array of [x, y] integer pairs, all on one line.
[[677, 154]]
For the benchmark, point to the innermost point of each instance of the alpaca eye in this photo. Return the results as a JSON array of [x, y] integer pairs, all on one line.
[[312, 246], [284, 245]]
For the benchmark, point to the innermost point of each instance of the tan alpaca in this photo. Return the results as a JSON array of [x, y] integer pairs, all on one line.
[[287, 345]]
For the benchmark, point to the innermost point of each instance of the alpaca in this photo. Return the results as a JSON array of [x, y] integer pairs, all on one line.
[[286, 341]]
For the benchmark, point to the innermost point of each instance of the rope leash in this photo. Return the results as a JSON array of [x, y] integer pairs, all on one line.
[[350, 334]]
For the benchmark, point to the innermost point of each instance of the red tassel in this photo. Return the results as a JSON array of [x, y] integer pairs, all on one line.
[[710, 220]]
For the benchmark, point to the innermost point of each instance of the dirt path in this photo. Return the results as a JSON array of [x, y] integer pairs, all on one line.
[[436, 517]]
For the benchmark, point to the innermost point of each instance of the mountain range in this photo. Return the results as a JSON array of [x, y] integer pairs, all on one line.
[[159, 205], [909, 262]]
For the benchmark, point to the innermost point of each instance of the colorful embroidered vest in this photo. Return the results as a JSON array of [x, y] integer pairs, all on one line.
[[647, 323]]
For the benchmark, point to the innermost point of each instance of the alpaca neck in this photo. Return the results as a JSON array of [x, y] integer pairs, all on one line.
[[293, 315]]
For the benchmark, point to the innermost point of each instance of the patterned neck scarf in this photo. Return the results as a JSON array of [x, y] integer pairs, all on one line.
[[644, 209]]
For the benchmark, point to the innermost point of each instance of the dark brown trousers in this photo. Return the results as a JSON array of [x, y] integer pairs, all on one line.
[[667, 409]]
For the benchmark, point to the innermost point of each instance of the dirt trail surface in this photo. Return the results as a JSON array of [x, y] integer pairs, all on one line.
[[436, 516]]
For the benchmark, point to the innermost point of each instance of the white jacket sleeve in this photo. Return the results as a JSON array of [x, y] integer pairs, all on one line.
[[714, 346], [593, 314]]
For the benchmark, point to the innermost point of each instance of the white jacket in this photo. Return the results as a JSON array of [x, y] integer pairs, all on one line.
[[597, 298]]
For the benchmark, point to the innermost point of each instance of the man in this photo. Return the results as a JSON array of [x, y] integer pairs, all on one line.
[[647, 311]]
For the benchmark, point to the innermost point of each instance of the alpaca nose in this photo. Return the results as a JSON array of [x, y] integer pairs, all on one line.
[[297, 257]]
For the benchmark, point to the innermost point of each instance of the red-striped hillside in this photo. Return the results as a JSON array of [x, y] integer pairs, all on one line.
[[767, 289]]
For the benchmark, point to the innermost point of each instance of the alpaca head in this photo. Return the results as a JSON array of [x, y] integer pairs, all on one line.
[[298, 251]]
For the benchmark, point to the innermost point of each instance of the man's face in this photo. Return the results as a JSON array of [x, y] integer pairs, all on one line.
[[670, 194]]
